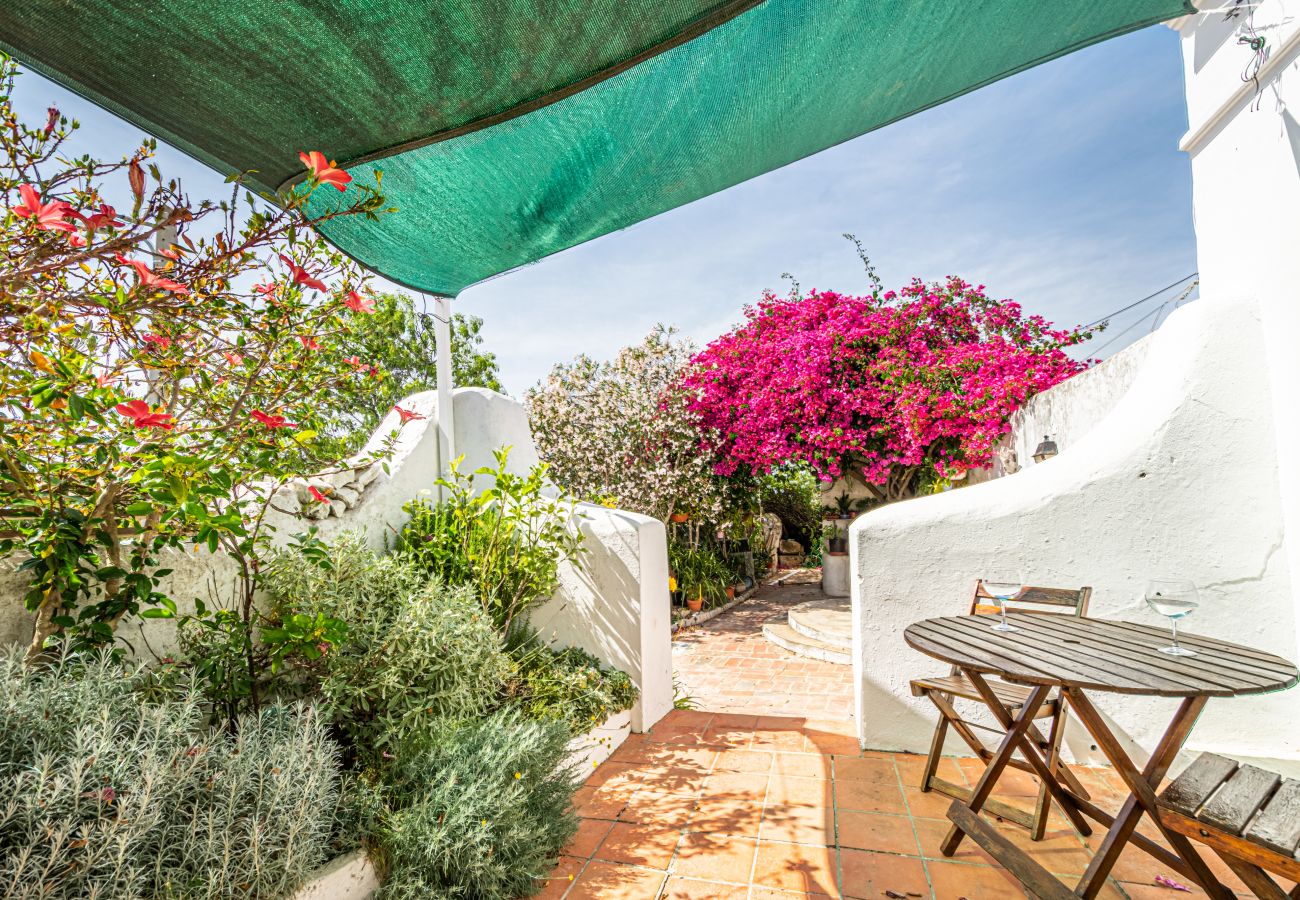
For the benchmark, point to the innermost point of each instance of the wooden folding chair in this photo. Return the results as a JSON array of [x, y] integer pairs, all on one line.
[[944, 690]]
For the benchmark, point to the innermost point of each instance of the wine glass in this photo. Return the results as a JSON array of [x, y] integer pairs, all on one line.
[[1000, 592], [1173, 598]]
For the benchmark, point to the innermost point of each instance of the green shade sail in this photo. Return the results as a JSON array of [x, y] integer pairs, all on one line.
[[508, 130]]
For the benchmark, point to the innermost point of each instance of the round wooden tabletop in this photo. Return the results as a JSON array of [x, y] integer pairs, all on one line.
[[1099, 654]]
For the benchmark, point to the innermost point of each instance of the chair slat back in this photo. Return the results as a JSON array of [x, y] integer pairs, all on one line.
[[1032, 598]]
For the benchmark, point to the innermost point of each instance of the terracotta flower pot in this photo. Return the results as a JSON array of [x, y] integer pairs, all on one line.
[[695, 604], [731, 592], [680, 517]]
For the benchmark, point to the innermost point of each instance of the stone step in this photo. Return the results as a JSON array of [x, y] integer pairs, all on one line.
[[829, 621], [802, 645]]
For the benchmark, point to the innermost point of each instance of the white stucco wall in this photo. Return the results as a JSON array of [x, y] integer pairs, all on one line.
[[613, 602], [1193, 471]]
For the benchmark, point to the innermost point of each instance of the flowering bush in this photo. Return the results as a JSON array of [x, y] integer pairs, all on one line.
[[621, 431], [161, 368], [884, 386]]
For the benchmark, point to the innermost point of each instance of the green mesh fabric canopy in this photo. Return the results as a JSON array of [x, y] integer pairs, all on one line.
[[510, 129]]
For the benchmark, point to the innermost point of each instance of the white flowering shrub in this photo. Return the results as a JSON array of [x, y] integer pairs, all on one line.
[[619, 432]]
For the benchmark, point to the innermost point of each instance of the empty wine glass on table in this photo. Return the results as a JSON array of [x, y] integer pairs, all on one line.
[[1173, 598], [1000, 592]]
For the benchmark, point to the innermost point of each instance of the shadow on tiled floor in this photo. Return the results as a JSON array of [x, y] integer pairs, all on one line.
[[732, 802]]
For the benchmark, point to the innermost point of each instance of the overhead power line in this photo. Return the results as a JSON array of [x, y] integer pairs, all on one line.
[[1135, 303]]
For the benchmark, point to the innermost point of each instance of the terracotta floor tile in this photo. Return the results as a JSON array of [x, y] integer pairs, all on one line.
[[930, 834], [1060, 852], [687, 718], [600, 803], [799, 791], [744, 761], [615, 775], [733, 720], [928, 805], [848, 768], [795, 867], [715, 857], [741, 787], [726, 817], [871, 796], [876, 831], [912, 765], [869, 875], [804, 765], [590, 833], [694, 889], [678, 781], [607, 881], [650, 807], [955, 880], [817, 741], [560, 879], [810, 825], [640, 845], [764, 893]]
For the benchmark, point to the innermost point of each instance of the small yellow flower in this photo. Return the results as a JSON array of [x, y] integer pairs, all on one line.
[[672, 584], [519, 775]]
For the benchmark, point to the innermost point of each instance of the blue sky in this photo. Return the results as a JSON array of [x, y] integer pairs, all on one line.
[[1061, 187]]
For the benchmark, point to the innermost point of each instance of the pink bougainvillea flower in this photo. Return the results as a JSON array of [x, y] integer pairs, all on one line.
[[358, 303], [355, 362], [324, 170], [52, 120], [373, 371], [309, 342], [301, 276], [235, 359], [268, 288], [407, 415], [162, 342], [105, 218], [142, 416], [317, 495], [271, 420], [151, 279], [47, 216], [1170, 883]]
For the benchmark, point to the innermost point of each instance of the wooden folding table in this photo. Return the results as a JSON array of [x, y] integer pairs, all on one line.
[[1077, 656]]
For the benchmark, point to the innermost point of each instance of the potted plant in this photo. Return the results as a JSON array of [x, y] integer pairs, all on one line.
[[844, 505], [679, 517]]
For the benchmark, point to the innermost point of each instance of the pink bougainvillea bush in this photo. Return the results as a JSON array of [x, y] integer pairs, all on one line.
[[889, 386]]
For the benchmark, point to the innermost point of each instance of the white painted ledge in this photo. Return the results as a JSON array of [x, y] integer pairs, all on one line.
[[348, 877]]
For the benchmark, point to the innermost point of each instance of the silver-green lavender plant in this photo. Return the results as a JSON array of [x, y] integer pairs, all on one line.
[[106, 795]]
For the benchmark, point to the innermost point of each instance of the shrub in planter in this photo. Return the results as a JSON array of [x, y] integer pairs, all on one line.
[[569, 685], [105, 794], [416, 651], [480, 812], [505, 542]]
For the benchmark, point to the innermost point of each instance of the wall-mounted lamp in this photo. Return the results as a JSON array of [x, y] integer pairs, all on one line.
[[1046, 450]]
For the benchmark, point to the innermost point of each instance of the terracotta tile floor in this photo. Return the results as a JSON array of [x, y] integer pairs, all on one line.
[[761, 793]]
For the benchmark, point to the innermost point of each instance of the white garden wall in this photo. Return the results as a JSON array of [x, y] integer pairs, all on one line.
[[1193, 471], [613, 603]]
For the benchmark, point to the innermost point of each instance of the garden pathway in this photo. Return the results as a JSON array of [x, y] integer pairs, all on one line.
[[761, 793]]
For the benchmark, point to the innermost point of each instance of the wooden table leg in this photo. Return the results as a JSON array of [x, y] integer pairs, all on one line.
[[1142, 785], [1030, 751], [1010, 741]]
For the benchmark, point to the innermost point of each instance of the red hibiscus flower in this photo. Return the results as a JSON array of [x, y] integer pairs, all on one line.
[[76, 240], [407, 415], [301, 276], [309, 342], [358, 303], [142, 416], [151, 279], [47, 216], [324, 170], [105, 218], [272, 421], [317, 495], [265, 288]]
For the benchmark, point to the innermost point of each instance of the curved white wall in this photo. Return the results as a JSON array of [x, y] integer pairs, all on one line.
[[1179, 479]]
